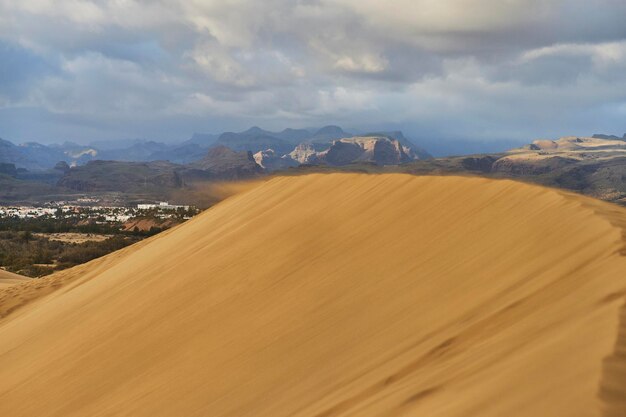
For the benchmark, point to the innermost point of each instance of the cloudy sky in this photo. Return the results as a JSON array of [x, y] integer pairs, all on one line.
[[451, 69]]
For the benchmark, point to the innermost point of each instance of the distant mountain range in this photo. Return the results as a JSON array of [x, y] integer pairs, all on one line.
[[218, 163], [610, 137], [143, 170], [35, 156], [594, 166], [31, 156]]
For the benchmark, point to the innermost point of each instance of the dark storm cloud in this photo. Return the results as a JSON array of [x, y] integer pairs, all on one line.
[[454, 68]]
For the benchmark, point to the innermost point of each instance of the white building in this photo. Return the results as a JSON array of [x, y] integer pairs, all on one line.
[[163, 205]]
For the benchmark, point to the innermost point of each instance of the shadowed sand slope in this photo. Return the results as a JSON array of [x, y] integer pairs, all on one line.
[[339, 295]]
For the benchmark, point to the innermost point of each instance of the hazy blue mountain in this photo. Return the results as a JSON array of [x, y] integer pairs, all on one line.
[[34, 156], [8, 169], [75, 153], [182, 154], [9, 153], [294, 135], [31, 155], [44, 157], [609, 137], [110, 144], [138, 152], [204, 140], [254, 140], [331, 133]]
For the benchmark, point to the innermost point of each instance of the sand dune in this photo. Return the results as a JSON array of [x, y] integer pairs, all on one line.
[[338, 295], [8, 278]]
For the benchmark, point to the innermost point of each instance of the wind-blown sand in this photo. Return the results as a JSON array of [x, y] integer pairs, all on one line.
[[338, 295]]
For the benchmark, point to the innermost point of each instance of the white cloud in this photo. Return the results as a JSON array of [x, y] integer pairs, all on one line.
[[413, 62], [78, 11], [220, 65], [365, 63], [605, 53]]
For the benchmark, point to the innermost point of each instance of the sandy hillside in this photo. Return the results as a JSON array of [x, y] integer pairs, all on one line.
[[8, 279], [338, 295], [572, 147]]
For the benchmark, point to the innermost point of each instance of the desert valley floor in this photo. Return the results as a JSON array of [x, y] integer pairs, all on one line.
[[337, 295]]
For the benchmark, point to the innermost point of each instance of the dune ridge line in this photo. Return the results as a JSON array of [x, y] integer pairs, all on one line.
[[337, 295]]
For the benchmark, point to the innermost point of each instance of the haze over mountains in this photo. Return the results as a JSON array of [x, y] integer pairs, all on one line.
[[34, 156], [337, 295], [594, 166], [294, 145]]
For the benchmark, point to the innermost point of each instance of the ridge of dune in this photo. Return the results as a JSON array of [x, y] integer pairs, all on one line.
[[9, 278], [338, 295]]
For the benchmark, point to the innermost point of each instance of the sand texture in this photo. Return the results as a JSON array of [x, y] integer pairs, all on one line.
[[8, 278], [337, 295]]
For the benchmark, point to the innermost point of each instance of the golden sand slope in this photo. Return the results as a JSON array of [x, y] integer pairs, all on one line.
[[9, 278], [339, 295]]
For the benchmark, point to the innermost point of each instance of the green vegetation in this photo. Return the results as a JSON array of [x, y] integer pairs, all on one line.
[[68, 225], [24, 253]]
